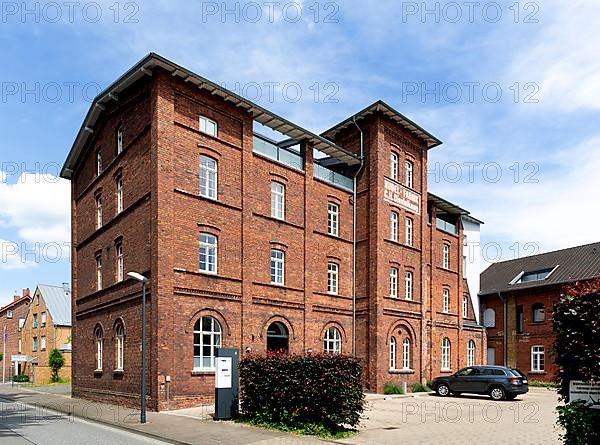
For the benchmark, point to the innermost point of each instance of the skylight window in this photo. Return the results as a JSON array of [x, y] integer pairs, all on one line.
[[533, 275]]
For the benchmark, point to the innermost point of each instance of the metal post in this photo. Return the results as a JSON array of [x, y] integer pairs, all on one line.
[[143, 385]]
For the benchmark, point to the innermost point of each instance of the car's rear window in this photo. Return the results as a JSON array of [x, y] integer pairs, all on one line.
[[518, 372]]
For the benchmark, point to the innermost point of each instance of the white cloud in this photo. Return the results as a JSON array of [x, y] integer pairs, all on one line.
[[11, 257], [2, 176]]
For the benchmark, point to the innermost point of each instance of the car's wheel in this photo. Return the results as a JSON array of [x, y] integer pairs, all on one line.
[[442, 390], [497, 393]]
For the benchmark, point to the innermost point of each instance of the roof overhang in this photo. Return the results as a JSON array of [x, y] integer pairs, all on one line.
[[446, 206], [390, 112], [152, 61]]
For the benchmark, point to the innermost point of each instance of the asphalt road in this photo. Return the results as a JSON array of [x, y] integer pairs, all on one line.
[[24, 425]]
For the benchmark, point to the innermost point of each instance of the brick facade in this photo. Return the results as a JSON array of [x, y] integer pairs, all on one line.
[[10, 315], [161, 222]]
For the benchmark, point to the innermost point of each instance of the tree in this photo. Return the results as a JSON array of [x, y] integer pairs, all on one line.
[[56, 361]]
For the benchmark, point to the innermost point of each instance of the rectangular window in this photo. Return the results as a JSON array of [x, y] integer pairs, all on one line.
[[120, 140], [537, 359], [37, 300], [98, 163], [464, 266], [98, 272], [9, 313], [394, 166], [208, 126], [34, 347], [119, 194], [332, 278], [120, 268], [446, 257], [333, 216], [446, 301], [409, 174], [20, 346], [394, 282], [520, 319], [409, 231], [277, 267], [394, 226], [98, 212], [465, 306], [43, 319], [35, 320], [408, 283], [277, 200], [208, 253], [208, 177], [43, 345]]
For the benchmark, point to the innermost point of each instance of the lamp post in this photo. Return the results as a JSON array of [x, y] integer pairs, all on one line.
[[144, 280]]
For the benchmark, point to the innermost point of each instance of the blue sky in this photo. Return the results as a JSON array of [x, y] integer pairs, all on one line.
[[527, 164]]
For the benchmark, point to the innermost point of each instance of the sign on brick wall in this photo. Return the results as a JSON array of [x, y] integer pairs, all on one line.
[[399, 195], [588, 392]]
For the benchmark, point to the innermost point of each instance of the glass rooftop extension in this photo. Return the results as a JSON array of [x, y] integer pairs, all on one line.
[[333, 177]]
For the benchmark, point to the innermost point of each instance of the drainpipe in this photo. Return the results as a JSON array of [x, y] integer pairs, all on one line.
[[505, 329], [354, 237]]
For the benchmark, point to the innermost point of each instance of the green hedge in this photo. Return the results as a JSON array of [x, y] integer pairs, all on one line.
[[581, 424], [293, 390], [21, 378]]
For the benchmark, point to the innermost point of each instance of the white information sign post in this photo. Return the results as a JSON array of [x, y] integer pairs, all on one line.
[[588, 392], [223, 372]]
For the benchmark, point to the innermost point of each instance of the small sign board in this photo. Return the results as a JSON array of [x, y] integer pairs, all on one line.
[[402, 196], [18, 358], [588, 392], [223, 372]]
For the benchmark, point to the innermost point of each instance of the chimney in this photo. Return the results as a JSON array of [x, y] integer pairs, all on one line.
[[26, 292]]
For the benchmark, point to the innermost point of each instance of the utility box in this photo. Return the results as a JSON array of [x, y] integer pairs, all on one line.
[[226, 383]]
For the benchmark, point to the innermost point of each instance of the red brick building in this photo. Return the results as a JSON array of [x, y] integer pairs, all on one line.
[[250, 242], [520, 295], [12, 317]]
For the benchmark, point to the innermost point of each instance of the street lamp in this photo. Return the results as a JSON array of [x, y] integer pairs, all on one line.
[[144, 280]]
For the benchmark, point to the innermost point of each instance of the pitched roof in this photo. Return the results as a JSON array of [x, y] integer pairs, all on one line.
[[58, 302], [572, 264], [14, 303]]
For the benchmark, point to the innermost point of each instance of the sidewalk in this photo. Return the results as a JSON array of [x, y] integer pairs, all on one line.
[[174, 427]]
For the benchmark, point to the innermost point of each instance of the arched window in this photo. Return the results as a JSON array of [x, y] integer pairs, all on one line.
[[489, 318], [393, 353], [120, 335], [406, 353], [471, 353], [332, 343], [278, 338], [99, 345], [537, 313], [208, 177], [409, 174], [207, 337], [446, 354], [394, 166]]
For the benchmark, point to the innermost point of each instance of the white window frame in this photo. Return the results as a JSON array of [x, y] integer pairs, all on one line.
[[394, 216], [209, 177], [333, 271], [43, 319], [209, 253], [538, 358], [34, 346], [333, 219], [446, 354], [120, 336], [98, 163], [214, 334], [20, 346], [35, 321], [446, 301], [446, 256], [393, 282], [489, 318], [277, 267], [394, 161], [119, 140], [119, 194], [332, 342], [120, 264], [99, 348], [406, 353], [278, 200], [99, 272], [408, 285], [471, 353], [208, 126], [465, 306], [43, 343], [99, 212], [409, 167], [392, 353], [9, 313], [408, 225]]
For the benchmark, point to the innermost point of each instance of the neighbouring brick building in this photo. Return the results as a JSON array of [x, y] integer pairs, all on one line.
[[12, 317], [47, 325], [517, 299], [249, 242]]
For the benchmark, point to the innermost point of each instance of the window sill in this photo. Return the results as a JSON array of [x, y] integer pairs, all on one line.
[[119, 371], [201, 372], [537, 372], [98, 371], [402, 371]]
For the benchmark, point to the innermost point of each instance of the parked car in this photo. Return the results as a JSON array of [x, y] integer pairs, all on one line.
[[499, 382]]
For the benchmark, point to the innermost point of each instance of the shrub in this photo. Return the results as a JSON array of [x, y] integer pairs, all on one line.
[[56, 361], [430, 384], [419, 387], [21, 378], [294, 390], [392, 388], [580, 424]]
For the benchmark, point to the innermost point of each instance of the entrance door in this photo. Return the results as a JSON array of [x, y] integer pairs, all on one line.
[[277, 338]]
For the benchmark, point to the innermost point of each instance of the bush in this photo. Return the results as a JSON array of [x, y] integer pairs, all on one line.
[[392, 388], [295, 392], [21, 378], [418, 387], [580, 424], [56, 360], [430, 384]]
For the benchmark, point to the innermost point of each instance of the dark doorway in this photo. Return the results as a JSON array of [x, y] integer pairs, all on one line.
[[277, 338]]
